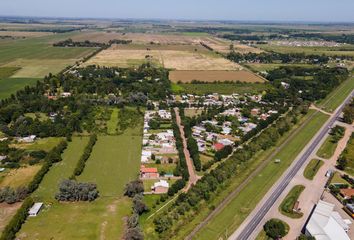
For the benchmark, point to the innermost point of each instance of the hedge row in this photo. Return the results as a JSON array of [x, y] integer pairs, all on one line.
[[87, 152]]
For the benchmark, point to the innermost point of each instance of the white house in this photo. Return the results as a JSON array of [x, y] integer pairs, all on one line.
[[327, 224], [35, 209], [28, 139]]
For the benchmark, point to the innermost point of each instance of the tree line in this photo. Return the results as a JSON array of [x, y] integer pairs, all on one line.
[[72, 191], [80, 166]]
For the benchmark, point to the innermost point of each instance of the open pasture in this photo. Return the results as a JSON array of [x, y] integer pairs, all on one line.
[[211, 76], [221, 88], [21, 34], [45, 144], [328, 51], [61, 170], [114, 162]]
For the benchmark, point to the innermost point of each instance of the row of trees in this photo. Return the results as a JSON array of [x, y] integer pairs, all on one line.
[[191, 142], [348, 112], [70, 43], [87, 152], [134, 190], [188, 204], [72, 191], [274, 57]]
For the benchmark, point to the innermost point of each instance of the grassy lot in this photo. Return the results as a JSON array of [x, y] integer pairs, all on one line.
[[114, 161], [19, 177], [6, 72], [9, 86], [333, 100], [312, 168], [41, 116], [112, 124], [7, 211], [167, 168], [287, 205], [329, 51], [222, 88], [239, 208], [260, 67], [263, 236], [327, 149], [349, 153], [45, 144], [101, 219], [61, 170], [337, 179]]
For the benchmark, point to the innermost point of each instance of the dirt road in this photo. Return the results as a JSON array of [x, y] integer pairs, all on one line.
[[193, 178]]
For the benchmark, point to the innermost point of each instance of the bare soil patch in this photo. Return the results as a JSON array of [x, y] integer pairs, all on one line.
[[7, 211]]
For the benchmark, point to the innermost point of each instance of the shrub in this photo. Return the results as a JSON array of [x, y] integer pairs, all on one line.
[[70, 190], [275, 228]]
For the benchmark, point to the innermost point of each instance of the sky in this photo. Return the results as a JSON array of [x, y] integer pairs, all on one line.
[[244, 10]]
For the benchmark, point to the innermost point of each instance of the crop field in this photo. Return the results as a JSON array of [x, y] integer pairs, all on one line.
[[172, 59], [239, 208], [30, 53], [211, 76], [221, 88]]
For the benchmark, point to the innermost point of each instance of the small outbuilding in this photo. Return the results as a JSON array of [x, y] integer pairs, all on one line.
[[33, 212]]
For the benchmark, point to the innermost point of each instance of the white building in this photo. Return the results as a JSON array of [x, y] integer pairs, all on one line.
[[28, 139], [326, 224], [35, 209]]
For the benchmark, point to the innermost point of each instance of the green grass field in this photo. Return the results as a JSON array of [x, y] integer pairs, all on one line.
[[287, 205], [327, 149], [61, 170], [45, 144], [349, 153], [329, 51], [222, 88], [112, 124], [333, 100], [312, 168], [260, 67], [239, 208], [113, 162], [24, 61]]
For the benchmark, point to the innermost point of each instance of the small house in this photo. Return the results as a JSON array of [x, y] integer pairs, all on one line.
[[148, 172], [33, 212], [160, 187], [347, 193], [218, 146]]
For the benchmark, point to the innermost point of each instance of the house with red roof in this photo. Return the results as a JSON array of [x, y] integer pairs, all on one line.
[[218, 146], [148, 173]]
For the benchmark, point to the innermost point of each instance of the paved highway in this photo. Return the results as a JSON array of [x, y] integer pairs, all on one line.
[[257, 218]]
